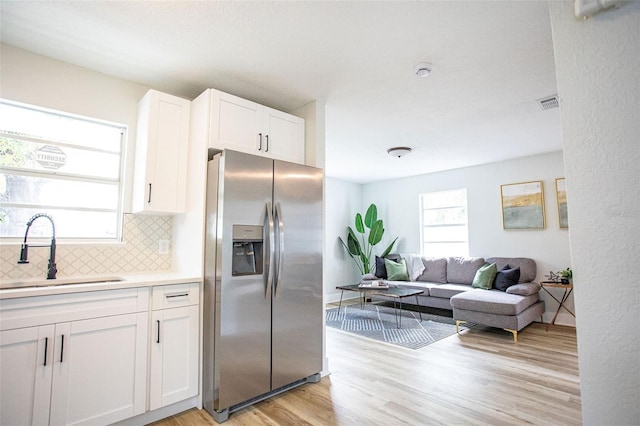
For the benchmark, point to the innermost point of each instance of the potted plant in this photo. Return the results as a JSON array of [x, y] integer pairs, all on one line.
[[360, 249], [566, 276]]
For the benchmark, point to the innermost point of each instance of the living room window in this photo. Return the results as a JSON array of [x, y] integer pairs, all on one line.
[[443, 223], [67, 166]]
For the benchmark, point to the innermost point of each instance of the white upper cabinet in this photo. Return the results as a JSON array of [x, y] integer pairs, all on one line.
[[284, 135], [160, 176], [246, 126], [235, 123]]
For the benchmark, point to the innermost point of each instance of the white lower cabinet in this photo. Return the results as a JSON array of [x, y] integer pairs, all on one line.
[[25, 375], [60, 366], [174, 356], [99, 370], [174, 346]]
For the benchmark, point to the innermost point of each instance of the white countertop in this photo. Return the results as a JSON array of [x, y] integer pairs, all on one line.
[[40, 287]]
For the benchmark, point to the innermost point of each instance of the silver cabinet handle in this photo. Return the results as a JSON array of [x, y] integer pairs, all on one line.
[[260, 142], [267, 138], [171, 296], [272, 251]]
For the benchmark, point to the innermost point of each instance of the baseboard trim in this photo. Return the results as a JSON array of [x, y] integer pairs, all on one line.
[[160, 413]]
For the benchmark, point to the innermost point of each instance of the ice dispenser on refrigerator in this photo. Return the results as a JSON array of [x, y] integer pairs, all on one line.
[[247, 250]]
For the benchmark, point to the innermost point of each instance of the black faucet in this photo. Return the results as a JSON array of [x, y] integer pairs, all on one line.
[[24, 250]]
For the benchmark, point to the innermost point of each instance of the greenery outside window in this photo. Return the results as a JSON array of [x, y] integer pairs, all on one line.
[[67, 166], [443, 223]]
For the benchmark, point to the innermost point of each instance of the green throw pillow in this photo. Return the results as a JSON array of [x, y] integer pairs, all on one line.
[[485, 276], [396, 271]]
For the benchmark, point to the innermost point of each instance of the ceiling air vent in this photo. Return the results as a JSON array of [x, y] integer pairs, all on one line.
[[549, 102]]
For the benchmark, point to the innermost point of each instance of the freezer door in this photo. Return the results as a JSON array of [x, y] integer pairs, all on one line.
[[297, 302], [242, 301]]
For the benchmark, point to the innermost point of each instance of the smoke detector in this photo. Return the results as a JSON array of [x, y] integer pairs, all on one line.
[[423, 69]]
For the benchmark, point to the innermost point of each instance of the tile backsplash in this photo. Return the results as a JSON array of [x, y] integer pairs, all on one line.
[[137, 253]]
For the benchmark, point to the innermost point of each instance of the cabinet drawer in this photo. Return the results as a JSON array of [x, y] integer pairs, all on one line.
[[40, 310], [175, 295]]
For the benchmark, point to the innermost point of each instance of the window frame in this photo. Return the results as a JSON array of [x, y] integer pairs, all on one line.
[[118, 181], [422, 199]]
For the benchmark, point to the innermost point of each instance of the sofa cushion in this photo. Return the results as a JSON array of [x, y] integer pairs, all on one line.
[[447, 291], [462, 270], [524, 289], [435, 270], [493, 301], [506, 277], [527, 266], [381, 270], [484, 276], [396, 271]]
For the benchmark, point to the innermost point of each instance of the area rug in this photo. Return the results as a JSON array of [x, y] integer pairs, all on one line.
[[378, 322]]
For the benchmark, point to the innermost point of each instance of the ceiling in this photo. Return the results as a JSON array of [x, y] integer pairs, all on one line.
[[491, 62]]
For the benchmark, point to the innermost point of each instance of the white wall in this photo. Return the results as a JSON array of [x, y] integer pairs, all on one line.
[[342, 201], [314, 134], [597, 63], [34, 79], [38, 80], [398, 206]]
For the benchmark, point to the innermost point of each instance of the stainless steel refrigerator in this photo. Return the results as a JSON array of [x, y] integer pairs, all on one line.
[[263, 279]]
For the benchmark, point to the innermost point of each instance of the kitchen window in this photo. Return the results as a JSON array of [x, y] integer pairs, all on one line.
[[443, 223], [67, 166]]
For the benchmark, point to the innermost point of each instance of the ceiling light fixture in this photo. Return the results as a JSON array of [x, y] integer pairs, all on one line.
[[398, 151], [423, 69]]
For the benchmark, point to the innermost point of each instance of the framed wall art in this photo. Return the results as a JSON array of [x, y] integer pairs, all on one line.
[[522, 205], [561, 197]]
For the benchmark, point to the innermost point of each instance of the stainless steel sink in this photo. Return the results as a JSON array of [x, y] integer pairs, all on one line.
[[41, 282]]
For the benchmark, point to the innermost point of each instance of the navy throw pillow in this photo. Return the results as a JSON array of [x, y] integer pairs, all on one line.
[[506, 277]]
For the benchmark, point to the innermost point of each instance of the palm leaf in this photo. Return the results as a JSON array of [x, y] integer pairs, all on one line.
[[353, 245], [359, 224], [371, 217], [375, 235]]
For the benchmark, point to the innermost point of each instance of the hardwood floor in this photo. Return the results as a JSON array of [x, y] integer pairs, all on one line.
[[478, 377]]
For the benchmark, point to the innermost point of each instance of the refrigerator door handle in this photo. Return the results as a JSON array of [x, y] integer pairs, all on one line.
[[272, 250], [280, 247]]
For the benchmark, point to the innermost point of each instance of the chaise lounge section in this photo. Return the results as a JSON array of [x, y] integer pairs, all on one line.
[[511, 310]]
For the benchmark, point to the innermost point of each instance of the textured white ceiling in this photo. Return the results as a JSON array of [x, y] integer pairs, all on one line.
[[492, 60]]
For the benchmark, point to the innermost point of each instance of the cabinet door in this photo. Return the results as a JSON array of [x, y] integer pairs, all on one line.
[[99, 372], [235, 124], [285, 136], [161, 154], [25, 375], [174, 355]]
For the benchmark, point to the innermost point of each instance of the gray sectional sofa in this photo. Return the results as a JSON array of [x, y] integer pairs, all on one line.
[[447, 284]]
